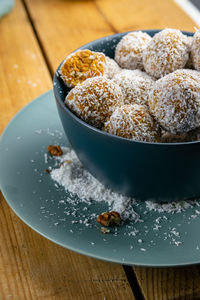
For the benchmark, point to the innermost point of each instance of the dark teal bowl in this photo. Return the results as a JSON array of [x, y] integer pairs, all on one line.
[[162, 172]]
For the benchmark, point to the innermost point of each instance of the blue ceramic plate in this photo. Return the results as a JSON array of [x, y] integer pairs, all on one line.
[[162, 239]]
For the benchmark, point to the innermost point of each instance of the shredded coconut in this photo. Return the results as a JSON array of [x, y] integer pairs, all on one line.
[[166, 52], [111, 68], [129, 50], [136, 86], [195, 50], [83, 191], [174, 101], [172, 207], [95, 99], [71, 174], [134, 122], [76, 180]]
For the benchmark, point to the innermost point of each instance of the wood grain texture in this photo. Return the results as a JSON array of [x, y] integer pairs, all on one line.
[[71, 23], [67, 25], [31, 267], [23, 74], [181, 283], [125, 15]]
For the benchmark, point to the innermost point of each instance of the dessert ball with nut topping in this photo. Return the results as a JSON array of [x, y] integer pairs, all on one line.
[[165, 53], [195, 50], [128, 53], [83, 64], [135, 86], [175, 101], [133, 121], [95, 100]]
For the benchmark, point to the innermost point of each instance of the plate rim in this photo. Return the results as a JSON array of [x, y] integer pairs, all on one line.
[[75, 249]]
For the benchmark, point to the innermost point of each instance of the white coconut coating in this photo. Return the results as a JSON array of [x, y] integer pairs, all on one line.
[[95, 100], [175, 101], [189, 64], [128, 53], [136, 86], [133, 121], [165, 53], [111, 68], [195, 50]]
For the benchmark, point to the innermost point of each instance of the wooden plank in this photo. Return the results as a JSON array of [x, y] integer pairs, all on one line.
[[23, 75], [181, 283], [125, 15], [31, 267], [67, 26]]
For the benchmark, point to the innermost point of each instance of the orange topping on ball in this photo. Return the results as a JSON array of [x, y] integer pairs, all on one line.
[[81, 65]]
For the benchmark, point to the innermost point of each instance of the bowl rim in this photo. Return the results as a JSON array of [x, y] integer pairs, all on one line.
[[99, 131]]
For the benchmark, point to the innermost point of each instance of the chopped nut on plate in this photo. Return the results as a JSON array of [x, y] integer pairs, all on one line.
[[109, 218], [66, 162], [105, 230], [55, 150]]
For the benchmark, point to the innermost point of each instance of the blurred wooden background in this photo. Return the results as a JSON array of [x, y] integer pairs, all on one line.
[[35, 37]]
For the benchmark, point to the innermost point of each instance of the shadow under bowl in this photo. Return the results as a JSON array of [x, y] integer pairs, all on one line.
[[162, 172]]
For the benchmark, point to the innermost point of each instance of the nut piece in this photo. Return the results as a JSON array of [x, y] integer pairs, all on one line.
[[55, 150], [65, 162], [81, 65], [109, 218], [105, 230]]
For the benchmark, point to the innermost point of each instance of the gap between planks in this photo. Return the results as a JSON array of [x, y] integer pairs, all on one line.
[[131, 277], [37, 38]]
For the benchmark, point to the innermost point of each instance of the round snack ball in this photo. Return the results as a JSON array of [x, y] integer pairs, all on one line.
[[195, 51], [165, 53], [189, 63], [95, 100], [80, 65], [136, 86], [196, 134], [128, 53], [133, 121], [175, 101], [111, 68], [167, 137]]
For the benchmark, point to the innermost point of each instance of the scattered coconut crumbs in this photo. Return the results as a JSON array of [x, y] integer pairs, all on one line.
[[84, 192], [76, 180]]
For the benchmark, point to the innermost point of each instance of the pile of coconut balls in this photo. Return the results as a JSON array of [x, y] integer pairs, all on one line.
[[149, 92]]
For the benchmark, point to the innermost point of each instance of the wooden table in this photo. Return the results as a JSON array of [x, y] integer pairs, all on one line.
[[35, 37]]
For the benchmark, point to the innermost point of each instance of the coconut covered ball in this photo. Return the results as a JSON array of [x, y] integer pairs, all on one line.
[[136, 86], [165, 53], [195, 50], [128, 53], [175, 101], [111, 68], [167, 137], [133, 121], [189, 64], [95, 100], [83, 64]]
